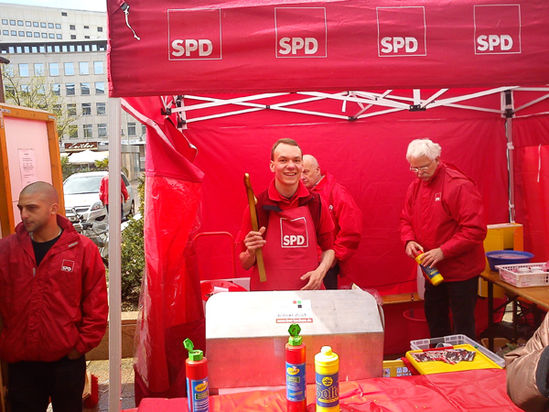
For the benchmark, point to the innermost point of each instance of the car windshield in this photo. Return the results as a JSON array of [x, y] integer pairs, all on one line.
[[82, 184]]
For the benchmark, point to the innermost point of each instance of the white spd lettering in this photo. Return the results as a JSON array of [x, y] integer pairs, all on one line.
[[66, 268], [491, 42], [192, 47], [396, 44], [291, 45], [293, 240]]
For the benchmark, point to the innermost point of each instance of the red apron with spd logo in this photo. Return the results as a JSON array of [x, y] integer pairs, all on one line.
[[290, 250]]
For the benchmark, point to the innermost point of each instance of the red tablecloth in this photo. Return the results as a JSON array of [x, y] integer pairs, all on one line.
[[470, 391]]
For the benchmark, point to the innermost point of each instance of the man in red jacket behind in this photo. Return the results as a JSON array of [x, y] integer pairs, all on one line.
[[346, 215], [53, 305], [443, 217]]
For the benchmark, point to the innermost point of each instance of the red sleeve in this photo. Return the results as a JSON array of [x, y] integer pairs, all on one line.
[[245, 228], [348, 218], [103, 191], [94, 304], [124, 190], [465, 206], [406, 230], [325, 233]]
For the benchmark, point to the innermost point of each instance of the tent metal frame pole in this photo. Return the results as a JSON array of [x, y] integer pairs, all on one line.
[[115, 285], [508, 112]]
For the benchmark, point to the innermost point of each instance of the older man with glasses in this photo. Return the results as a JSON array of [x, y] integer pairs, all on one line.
[[443, 218]]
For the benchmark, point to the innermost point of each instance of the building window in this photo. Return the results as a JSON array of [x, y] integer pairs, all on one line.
[[94, 47], [56, 48], [69, 89], [50, 25], [102, 129], [58, 36], [38, 69], [56, 89], [35, 24], [42, 24], [21, 33], [131, 129], [51, 36], [57, 108], [88, 130], [54, 69], [99, 29], [86, 37], [23, 70], [13, 33], [29, 34], [64, 48], [5, 21], [98, 67], [71, 109], [99, 87], [71, 48], [26, 49], [86, 27], [5, 32], [36, 34], [57, 26], [86, 109], [20, 23], [72, 27], [85, 89], [69, 69], [87, 47], [100, 107], [84, 67], [73, 131], [34, 49], [63, 13], [12, 23], [28, 23], [73, 36], [44, 35], [25, 88], [42, 49]]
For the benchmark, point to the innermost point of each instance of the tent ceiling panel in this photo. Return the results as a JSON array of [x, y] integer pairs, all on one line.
[[181, 46]]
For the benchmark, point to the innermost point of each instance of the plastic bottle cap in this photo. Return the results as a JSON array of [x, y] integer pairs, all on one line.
[[295, 339], [326, 350], [196, 355]]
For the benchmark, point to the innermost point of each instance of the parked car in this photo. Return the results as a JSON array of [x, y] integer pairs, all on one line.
[[81, 192]]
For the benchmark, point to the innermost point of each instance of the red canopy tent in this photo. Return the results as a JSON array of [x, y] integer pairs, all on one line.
[[353, 82]]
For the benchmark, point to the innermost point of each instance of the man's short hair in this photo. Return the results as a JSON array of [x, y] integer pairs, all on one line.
[[287, 141], [423, 147], [45, 189]]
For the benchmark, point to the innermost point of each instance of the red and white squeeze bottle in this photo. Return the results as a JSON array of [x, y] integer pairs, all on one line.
[[295, 371], [196, 370]]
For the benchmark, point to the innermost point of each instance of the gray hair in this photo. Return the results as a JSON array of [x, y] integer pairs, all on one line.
[[423, 147]]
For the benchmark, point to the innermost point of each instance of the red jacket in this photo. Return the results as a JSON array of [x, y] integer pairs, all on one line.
[[104, 190], [346, 215], [447, 212], [50, 309]]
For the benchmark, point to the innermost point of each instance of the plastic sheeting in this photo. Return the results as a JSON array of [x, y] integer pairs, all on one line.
[[478, 390], [171, 301]]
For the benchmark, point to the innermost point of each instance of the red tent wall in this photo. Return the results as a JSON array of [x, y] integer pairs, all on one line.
[[368, 157]]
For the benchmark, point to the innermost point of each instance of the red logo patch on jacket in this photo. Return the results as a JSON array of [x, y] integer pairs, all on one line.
[[294, 233], [67, 265]]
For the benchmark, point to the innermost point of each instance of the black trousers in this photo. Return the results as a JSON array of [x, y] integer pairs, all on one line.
[[31, 384], [330, 280], [459, 298]]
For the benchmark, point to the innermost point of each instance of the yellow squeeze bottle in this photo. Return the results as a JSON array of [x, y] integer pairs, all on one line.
[[327, 380], [432, 274]]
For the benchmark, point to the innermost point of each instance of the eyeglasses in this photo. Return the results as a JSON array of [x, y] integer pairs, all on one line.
[[421, 168]]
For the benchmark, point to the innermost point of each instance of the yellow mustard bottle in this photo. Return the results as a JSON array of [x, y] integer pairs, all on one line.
[[327, 380]]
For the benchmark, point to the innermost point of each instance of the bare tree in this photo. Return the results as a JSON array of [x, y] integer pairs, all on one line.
[[37, 93]]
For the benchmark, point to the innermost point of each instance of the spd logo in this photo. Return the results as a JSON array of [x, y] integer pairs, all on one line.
[[293, 233], [67, 265], [401, 31], [194, 34], [300, 32], [497, 29]]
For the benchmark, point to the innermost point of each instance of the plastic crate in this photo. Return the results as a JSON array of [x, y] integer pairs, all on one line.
[[395, 368], [524, 274], [452, 340]]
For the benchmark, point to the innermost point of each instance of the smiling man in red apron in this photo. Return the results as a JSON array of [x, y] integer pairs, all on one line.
[[293, 223]]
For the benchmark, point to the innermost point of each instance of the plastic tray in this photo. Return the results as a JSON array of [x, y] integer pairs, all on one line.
[[425, 368], [452, 340], [395, 368], [524, 274]]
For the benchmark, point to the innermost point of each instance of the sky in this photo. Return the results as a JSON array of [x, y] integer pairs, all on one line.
[[95, 5]]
